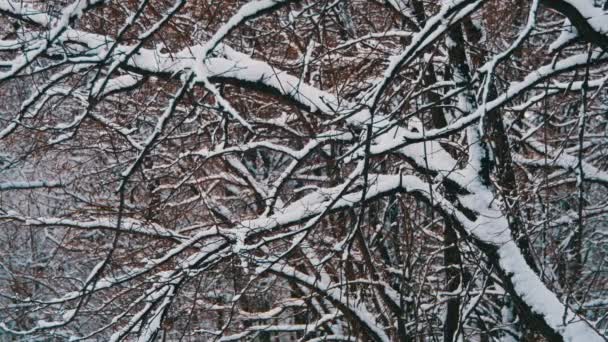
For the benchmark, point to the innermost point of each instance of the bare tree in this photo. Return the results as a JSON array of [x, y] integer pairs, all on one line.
[[273, 170]]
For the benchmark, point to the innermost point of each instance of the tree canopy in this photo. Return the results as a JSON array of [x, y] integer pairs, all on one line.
[[283, 170]]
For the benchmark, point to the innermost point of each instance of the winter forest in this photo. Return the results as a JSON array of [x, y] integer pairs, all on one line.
[[313, 170]]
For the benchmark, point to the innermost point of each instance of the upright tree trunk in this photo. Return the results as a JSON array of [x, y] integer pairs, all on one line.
[[451, 257]]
